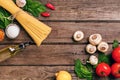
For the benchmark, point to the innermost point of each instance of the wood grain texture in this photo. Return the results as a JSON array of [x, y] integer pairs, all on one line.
[[62, 32], [59, 51], [50, 55], [37, 73], [32, 72], [84, 10]]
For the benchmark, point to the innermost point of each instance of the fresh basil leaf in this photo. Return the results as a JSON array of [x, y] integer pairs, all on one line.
[[34, 7], [115, 44]]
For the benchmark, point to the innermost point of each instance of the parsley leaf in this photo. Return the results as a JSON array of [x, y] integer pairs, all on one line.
[[104, 58], [82, 71]]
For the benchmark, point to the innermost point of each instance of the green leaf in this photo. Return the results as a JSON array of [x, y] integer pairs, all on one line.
[[104, 58], [34, 7], [4, 21], [115, 44], [82, 71]]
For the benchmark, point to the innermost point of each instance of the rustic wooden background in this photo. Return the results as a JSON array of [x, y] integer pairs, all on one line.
[[59, 51]]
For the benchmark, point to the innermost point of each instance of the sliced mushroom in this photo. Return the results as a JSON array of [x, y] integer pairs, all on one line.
[[93, 60], [91, 48], [78, 35], [95, 39], [103, 47]]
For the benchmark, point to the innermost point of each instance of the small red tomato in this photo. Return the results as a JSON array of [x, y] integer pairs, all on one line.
[[50, 6], [115, 70], [103, 69], [116, 54], [45, 14]]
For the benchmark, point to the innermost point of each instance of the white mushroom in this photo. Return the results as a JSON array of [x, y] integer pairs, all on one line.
[[91, 48], [78, 35], [93, 60], [95, 39], [103, 47], [21, 3]]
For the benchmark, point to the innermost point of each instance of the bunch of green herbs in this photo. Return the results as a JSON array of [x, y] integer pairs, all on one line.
[[34, 7], [82, 71], [4, 18]]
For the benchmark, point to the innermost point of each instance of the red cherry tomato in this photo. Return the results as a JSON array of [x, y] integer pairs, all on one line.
[[45, 14], [50, 6], [103, 69], [115, 70], [116, 54]]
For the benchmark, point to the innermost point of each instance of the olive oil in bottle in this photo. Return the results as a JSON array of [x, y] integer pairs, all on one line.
[[11, 50]]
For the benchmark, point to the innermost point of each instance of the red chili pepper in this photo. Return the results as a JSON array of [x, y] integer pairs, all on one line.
[[45, 14], [50, 6]]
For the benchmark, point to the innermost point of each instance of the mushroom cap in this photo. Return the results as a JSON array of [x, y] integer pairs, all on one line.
[[103, 47], [91, 48], [21, 3], [93, 60], [78, 36], [95, 39]]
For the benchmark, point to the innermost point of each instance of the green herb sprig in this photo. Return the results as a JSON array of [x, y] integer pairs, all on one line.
[[82, 71], [4, 18], [104, 58], [34, 7], [115, 44]]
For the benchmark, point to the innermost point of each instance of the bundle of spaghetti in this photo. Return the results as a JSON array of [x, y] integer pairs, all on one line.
[[36, 29]]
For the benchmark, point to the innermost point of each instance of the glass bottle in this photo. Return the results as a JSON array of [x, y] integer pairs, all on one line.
[[12, 50]]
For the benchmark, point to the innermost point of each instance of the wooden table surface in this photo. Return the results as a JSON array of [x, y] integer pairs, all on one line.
[[59, 51]]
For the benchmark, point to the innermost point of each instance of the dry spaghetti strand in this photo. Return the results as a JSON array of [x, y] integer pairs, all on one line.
[[36, 29]]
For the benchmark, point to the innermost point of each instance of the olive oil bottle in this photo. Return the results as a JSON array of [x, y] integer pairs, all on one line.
[[12, 50]]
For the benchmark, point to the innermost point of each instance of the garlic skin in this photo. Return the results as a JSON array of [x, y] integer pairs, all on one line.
[[95, 39], [103, 47], [78, 36], [93, 60], [91, 49], [21, 3]]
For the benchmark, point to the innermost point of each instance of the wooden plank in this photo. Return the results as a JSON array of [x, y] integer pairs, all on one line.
[[84, 10], [33, 72], [37, 73], [50, 55], [62, 32]]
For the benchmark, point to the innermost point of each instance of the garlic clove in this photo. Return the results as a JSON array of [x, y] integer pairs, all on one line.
[[103, 47], [21, 3], [78, 36], [95, 39], [12, 31], [93, 60], [91, 49]]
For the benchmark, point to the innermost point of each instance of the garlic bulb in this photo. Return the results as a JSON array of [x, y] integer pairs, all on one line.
[[21, 3], [78, 35], [12, 31], [93, 60], [103, 47], [91, 48], [95, 39]]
